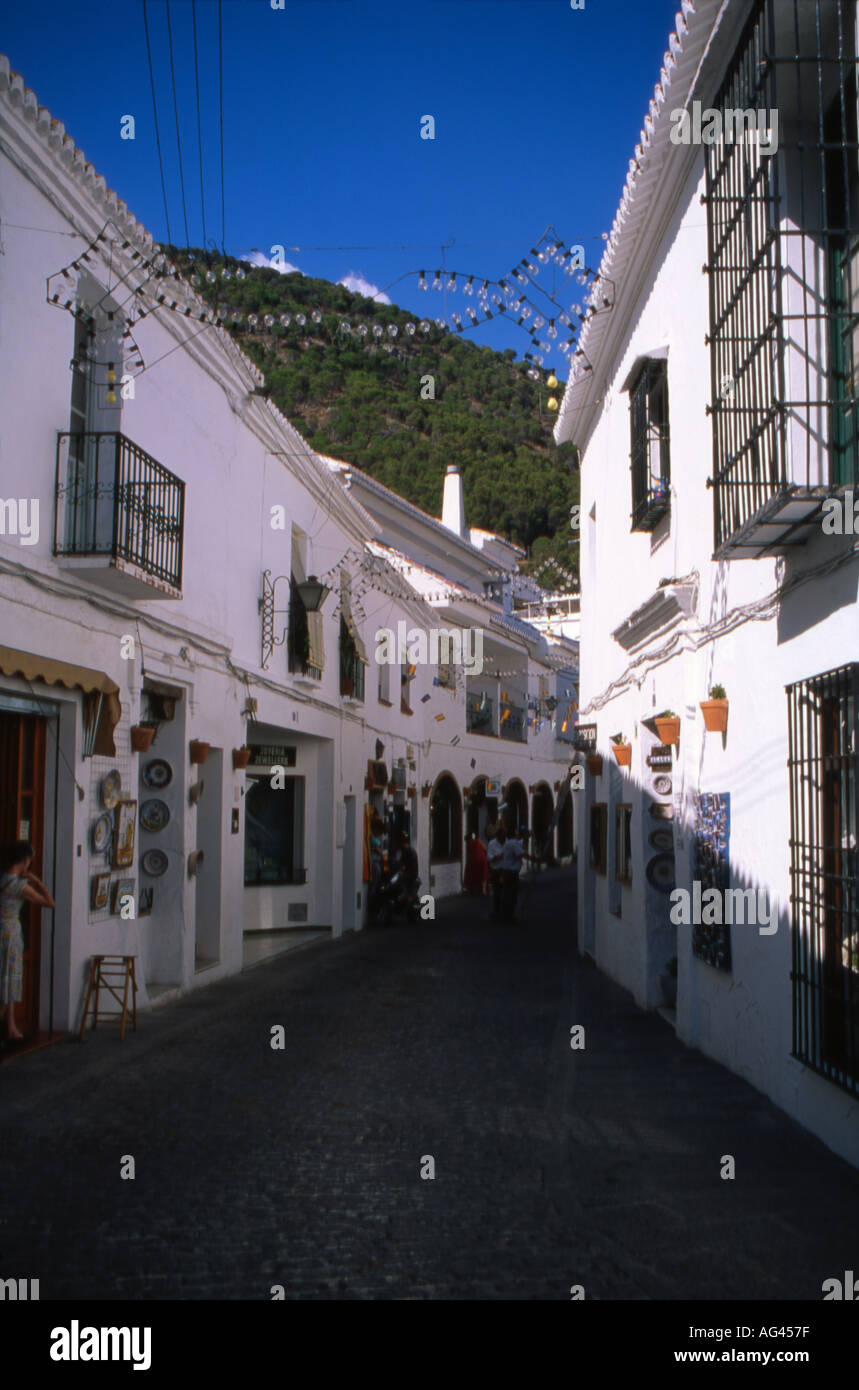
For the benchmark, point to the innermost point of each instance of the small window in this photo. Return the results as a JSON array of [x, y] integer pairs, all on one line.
[[599, 825], [623, 844], [407, 672], [650, 463], [384, 683], [351, 665]]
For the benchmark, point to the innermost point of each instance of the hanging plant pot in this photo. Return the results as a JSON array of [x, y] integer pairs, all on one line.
[[369, 784], [594, 764], [622, 754], [141, 737], [668, 728], [413, 791], [715, 714], [199, 750], [241, 757]]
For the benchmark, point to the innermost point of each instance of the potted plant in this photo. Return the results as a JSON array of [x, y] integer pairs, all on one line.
[[241, 757], [668, 984], [668, 726], [622, 750], [715, 710], [142, 735], [199, 750], [594, 764]]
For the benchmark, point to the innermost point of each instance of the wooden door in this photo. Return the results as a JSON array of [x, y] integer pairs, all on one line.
[[22, 811]]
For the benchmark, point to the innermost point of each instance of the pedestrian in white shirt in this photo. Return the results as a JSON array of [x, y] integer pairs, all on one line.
[[511, 863], [495, 854]]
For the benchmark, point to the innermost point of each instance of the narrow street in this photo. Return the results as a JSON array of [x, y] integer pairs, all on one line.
[[302, 1167]]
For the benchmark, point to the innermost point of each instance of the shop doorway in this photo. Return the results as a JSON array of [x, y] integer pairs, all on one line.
[[22, 817]]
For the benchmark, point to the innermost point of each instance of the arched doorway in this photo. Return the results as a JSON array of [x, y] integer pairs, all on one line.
[[515, 813], [446, 837], [565, 829], [541, 813], [482, 810]]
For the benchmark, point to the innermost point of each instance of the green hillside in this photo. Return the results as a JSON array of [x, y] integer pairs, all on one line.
[[359, 399]]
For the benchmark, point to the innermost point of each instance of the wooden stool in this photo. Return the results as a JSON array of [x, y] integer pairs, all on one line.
[[111, 973]]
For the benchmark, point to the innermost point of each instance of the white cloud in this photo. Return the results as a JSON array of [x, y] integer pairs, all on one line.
[[355, 282], [258, 258]]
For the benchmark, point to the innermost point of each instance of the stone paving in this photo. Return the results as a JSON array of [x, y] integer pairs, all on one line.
[[302, 1167]]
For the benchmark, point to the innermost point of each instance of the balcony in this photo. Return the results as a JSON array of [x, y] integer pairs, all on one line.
[[119, 516], [480, 714], [513, 725]]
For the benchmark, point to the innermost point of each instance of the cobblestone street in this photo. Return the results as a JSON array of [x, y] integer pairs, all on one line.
[[301, 1167]]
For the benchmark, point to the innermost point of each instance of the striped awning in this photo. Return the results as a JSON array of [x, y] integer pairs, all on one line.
[[102, 708]]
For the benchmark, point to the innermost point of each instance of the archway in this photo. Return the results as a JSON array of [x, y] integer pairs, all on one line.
[[445, 821], [482, 810], [515, 813], [541, 812]]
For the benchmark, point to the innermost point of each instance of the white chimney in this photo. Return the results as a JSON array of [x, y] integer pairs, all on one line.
[[453, 503]]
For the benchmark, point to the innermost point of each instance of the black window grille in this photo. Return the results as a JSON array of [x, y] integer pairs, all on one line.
[[782, 194], [649, 453], [351, 666], [824, 807], [298, 636]]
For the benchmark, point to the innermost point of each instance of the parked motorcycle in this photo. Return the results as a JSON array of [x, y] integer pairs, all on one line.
[[395, 898]]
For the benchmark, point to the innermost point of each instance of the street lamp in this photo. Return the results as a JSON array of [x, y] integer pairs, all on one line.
[[313, 593]]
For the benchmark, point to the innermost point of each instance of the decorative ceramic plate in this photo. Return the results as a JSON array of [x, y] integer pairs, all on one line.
[[154, 863], [662, 840], [660, 872], [110, 788], [662, 785], [157, 773], [102, 833], [660, 811], [154, 814]]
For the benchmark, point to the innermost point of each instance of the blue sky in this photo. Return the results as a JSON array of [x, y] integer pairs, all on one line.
[[537, 110]]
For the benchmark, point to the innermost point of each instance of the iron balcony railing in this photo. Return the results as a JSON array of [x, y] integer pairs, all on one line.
[[479, 714], [512, 724], [113, 499]]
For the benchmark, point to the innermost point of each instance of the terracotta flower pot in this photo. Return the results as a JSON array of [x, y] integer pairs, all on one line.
[[241, 757], [668, 729], [715, 714], [141, 738], [594, 764], [199, 750], [622, 754]]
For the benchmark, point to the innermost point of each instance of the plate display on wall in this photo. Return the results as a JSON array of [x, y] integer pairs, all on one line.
[[661, 811], [102, 833], [154, 863], [157, 773], [111, 787], [662, 785], [662, 840], [660, 872], [154, 814]]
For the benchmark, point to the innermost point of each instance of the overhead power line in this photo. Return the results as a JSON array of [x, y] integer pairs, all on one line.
[[155, 114], [221, 101], [176, 114], [199, 123]]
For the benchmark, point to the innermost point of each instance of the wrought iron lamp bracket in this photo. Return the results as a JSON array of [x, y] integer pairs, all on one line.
[[268, 613]]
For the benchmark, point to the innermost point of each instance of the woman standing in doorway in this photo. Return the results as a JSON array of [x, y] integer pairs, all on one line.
[[17, 883]]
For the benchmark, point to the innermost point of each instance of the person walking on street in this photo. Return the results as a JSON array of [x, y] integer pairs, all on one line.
[[17, 883], [496, 872], [475, 878], [511, 863]]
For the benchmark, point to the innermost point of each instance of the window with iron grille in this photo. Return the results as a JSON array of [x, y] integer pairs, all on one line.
[[782, 196], [298, 645], [623, 843], [824, 805], [649, 456], [351, 666]]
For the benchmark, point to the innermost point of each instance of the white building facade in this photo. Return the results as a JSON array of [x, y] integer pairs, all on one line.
[[192, 724], [717, 416]]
